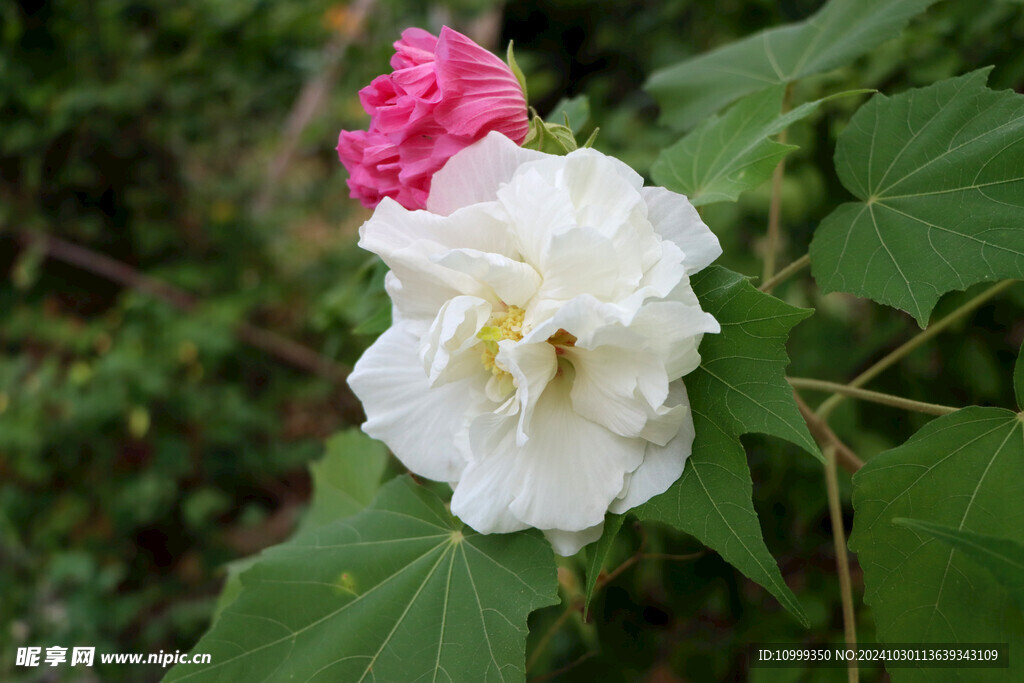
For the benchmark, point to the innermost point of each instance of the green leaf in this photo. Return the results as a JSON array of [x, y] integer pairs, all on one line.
[[572, 112], [729, 154], [965, 471], [401, 591], [346, 479], [741, 382], [598, 553], [939, 174], [552, 138], [1003, 558], [516, 70], [233, 583], [837, 34], [739, 388]]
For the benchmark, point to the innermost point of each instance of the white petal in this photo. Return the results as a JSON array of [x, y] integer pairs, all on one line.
[[452, 338], [673, 331], [408, 241], [568, 543], [537, 209], [563, 478], [674, 218], [513, 282], [594, 323], [475, 174], [532, 366], [394, 228], [662, 465], [583, 261], [482, 500], [603, 190], [617, 387], [426, 428]]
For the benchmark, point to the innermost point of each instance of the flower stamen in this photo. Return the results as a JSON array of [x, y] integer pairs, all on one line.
[[504, 325]]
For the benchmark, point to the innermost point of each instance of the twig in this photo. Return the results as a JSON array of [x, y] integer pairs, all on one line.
[[568, 667], [795, 267], [774, 211], [271, 343], [835, 511], [824, 435], [873, 396], [574, 606], [310, 101], [826, 408]]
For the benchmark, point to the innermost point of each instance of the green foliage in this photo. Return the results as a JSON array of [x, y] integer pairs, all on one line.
[[597, 553], [573, 112], [964, 471], [1003, 558], [346, 478], [730, 154], [837, 34], [740, 387], [342, 609], [938, 173]]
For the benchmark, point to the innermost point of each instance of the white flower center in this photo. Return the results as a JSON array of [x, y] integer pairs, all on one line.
[[508, 325]]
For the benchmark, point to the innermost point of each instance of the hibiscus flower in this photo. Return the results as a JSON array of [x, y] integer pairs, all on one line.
[[542, 320], [444, 94]]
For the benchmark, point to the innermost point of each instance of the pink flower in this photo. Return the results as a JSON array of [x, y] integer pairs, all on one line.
[[445, 94]]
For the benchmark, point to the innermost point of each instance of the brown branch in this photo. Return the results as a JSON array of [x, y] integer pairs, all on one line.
[[824, 435], [568, 667], [310, 100], [273, 344]]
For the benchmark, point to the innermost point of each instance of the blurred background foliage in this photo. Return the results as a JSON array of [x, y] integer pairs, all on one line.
[[181, 292]]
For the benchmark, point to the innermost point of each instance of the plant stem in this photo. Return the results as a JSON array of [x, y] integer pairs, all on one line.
[[776, 206], [842, 560], [574, 606], [873, 396], [796, 266], [826, 408], [826, 437]]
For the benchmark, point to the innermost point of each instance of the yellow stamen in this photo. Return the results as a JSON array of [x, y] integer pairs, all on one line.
[[505, 325]]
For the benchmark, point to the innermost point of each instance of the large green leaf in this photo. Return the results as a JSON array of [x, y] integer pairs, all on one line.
[[940, 175], [729, 154], [346, 479], [964, 471], [837, 34], [1003, 558], [739, 388], [400, 592]]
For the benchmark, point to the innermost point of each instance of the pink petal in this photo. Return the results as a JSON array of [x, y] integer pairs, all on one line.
[[479, 93], [414, 48]]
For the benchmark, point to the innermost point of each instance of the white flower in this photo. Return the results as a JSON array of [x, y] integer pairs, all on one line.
[[542, 317]]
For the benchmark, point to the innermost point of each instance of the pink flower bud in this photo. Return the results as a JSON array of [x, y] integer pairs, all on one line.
[[444, 94]]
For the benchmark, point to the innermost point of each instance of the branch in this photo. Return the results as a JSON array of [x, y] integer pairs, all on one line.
[[835, 512], [826, 408], [311, 99], [795, 267], [824, 435], [873, 396], [271, 343]]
